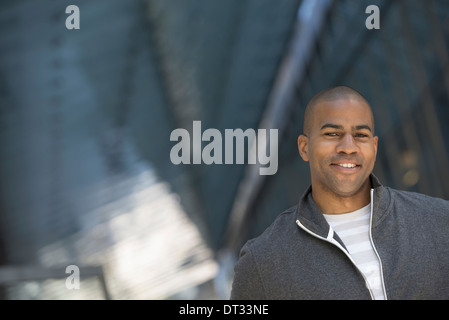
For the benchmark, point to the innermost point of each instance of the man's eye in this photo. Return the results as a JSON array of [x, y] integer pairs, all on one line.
[[331, 134], [361, 135]]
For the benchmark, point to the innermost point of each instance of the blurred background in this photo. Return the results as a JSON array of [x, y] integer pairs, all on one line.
[[86, 117]]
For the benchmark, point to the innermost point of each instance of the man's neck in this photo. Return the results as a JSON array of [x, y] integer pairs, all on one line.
[[331, 203]]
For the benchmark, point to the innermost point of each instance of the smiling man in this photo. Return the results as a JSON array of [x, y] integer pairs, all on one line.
[[340, 145], [349, 237]]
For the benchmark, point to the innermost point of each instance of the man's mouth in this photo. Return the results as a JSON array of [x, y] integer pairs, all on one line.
[[346, 167]]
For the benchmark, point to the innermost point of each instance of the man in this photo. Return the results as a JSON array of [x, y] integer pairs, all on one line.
[[349, 237]]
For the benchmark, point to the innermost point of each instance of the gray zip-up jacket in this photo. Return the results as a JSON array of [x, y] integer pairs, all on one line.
[[300, 257]]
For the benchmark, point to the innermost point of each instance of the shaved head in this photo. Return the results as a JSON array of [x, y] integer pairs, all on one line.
[[328, 95]]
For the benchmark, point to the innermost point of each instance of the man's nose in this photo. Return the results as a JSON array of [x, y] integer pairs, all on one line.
[[347, 145]]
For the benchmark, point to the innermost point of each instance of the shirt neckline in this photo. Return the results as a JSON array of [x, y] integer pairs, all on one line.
[[350, 215]]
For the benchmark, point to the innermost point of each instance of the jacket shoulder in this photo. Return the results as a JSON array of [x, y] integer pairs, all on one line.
[[419, 201], [284, 224], [260, 256]]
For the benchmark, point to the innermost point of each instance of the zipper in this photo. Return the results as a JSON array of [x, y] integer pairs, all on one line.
[[374, 247], [330, 239]]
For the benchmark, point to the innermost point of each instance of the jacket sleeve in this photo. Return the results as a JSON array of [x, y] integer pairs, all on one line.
[[247, 283]]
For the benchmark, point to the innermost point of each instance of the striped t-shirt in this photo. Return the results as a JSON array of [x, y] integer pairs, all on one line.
[[353, 230]]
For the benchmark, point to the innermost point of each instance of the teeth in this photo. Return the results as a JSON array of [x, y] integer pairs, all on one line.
[[347, 165]]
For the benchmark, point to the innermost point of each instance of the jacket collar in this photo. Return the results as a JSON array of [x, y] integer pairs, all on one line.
[[312, 218], [382, 201]]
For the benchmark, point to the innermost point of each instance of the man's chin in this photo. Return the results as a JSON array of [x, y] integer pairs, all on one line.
[[348, 189]]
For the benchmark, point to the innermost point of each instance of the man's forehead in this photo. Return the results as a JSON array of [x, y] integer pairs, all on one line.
[[343, 112], [344, 108]]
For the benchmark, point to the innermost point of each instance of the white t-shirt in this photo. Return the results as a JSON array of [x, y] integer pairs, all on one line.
[[353, 230]]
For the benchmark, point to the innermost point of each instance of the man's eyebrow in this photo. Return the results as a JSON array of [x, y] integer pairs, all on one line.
[[363, 126], [333, 126], [340, 127]]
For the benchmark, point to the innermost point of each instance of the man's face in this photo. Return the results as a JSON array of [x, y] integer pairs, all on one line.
[[340, 146]]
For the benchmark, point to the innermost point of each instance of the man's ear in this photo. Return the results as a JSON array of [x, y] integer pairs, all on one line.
[[376, 140], [303, 147]]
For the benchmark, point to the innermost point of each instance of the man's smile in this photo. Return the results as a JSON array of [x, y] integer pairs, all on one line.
[[346, 167]]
